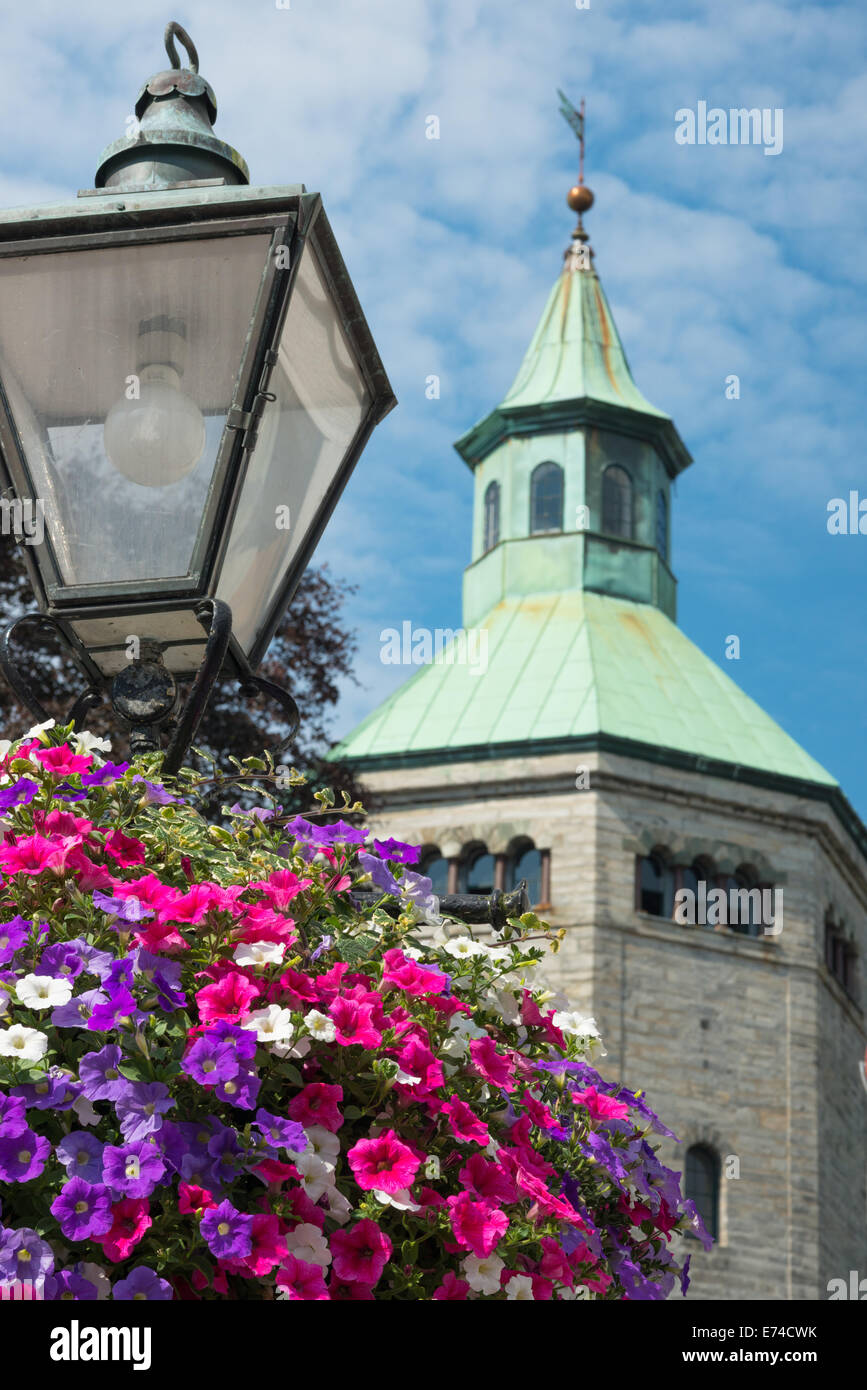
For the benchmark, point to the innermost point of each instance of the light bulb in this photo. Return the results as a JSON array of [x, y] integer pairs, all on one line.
[[159, 437]]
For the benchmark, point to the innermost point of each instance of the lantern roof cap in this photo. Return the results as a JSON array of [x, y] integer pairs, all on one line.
[[173, 140]]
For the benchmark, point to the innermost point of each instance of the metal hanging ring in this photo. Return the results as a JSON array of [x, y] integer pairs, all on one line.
[[174, 28]]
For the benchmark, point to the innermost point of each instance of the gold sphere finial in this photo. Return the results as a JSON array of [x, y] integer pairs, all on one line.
[[580, 198]]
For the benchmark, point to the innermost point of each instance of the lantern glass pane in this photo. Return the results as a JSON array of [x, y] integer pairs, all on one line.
[[119, 366], [304, 437]]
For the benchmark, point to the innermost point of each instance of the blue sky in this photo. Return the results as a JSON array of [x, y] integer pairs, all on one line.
[[716, 260]]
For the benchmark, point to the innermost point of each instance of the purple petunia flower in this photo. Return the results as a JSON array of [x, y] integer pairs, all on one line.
[[58, 1091], [284, 1134], [61, 960], [102, 776], [240, 1090], [397, 851], [23, 1255], [96, 962], [142, 1283], [243, 1040], [82, 1209], [120, 973], [100, 1078], [171, 1144], [337, 833], [210, 1060], [157, 795], [325, 945], [133, 1168], [19, 794], [12, 937], [126, 910], [140, 1107], [165, 976], [23, 1156], [380, 873], [13, 1119], [77, 1013], [81, 1155], [119, 1011], [225, 1153], [228, 1233], [67, 1286]]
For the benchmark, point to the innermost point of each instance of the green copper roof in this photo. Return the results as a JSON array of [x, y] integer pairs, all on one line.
[[574, 372], [572, 665], [576, 350]]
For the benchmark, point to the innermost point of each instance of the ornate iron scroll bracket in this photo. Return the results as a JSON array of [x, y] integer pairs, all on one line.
[[474, 908], [144, 695]]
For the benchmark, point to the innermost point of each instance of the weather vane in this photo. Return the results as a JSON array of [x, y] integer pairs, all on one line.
[[579, 197]]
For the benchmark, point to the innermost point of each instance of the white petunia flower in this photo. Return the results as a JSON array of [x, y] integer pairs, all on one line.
[[520, 1289], [483, 1275], [271, 1025], [90, 743], [43, 991], [339, 1208], [307, 1243], [463, 948], [579, 1025], [323, 1143], [320, 1026], [39, 729], [288, 1049], [400, 1200], [317, 1177], [85, 1111], [26, 1044], [259, 953]]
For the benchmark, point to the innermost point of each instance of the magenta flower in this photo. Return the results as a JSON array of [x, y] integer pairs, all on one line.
[[302, 1282], [477, 1226], [61, 761], [465, 1125], [82, 1209], [384, 1164], [317, 1104], [601, 1107], [360, 1254], [408, 975], [34, 854], [496, 1069], [452, 1289], [354, 1024]]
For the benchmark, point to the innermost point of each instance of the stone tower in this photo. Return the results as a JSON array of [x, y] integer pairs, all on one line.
[[588, 745]]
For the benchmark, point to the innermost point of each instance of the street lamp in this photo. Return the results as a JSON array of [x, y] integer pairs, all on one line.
[[186, 383]]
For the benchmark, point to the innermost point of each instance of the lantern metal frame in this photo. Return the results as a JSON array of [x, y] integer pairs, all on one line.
[[171, 181]]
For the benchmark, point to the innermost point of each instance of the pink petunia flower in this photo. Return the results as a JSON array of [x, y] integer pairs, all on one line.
[[477, 1226], [465, 1125], [35, 854], [452, 1288], [125, 849], [268, 1250], [487, 1180], [385, 1163], [408, 975], [496, 1069], [340, 1290], [601, 1107], [302, 1282], [282, 886], [192, 1200], [131, 1219], [62, 762], [360, 1254], [229, 998], [354, 1024], [538, 1111], [317, 1104]]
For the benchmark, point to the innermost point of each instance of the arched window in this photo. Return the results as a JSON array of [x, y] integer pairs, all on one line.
[[525, 862], [617, 502], [546, 498], [701, 1184], [746, 894], [492, 515], [434, 867], [662, 524], [655, 886], [477, 872]]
